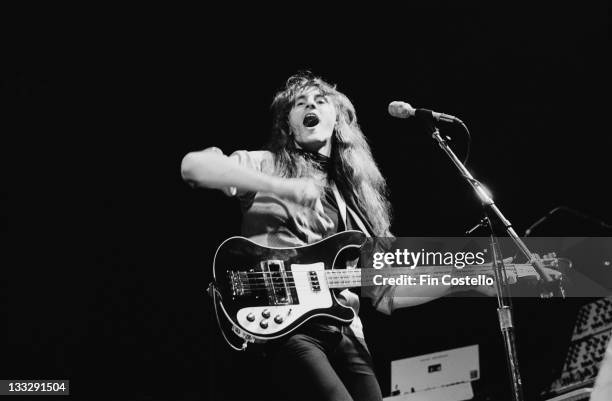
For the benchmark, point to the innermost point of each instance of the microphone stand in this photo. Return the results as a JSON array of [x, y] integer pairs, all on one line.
[[504, 313], [504, 310]]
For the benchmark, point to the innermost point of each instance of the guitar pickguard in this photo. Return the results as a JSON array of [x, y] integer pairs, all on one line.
[[271, 319]]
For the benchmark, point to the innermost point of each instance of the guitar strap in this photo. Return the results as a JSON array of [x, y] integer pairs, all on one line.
[[340, 202], [356, 325], [343, 209]]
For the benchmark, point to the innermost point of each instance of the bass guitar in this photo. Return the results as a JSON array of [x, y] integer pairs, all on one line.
[[264, 293]]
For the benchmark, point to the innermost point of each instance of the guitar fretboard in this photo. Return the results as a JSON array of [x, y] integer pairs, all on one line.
[[345, 278]]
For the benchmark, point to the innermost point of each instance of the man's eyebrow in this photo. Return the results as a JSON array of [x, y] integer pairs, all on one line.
[[318, 95]]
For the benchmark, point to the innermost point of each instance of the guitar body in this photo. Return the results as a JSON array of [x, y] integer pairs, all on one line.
[[266, 293]]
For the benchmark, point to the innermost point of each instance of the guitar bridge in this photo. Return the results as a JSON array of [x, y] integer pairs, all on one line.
[[278, 282], [236, 283]]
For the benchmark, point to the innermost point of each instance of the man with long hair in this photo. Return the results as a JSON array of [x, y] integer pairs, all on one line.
[[316, 178]]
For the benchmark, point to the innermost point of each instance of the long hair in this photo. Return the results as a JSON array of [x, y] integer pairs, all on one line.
[[352, 166]]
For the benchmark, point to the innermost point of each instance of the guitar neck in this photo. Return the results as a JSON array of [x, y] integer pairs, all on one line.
[[347, 278]]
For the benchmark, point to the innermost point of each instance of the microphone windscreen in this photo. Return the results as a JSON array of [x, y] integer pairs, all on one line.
[[401, 109]]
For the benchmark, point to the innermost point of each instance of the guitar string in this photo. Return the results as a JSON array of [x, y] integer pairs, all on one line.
[[289, 283], [486, 266], [351, 274], [265, 286]]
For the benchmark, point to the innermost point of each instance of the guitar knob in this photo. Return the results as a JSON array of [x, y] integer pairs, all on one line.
[[265, 313], [278, 319], [251, 317], [263, 324]]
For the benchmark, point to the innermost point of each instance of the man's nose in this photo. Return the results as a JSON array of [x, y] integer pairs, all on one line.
[[311, 104]]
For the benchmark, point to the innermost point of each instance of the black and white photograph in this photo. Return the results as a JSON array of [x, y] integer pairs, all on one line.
[[401, 203]]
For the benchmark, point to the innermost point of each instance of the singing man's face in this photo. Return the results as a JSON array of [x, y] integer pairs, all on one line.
[[312, 120]]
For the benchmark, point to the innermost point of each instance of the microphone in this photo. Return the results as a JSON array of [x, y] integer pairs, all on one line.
[[405, 110]]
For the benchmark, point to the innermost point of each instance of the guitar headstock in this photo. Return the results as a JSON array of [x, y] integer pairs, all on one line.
[[557, 264], [555, 267]]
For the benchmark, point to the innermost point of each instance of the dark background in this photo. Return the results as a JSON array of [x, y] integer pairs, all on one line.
[[110, 252]]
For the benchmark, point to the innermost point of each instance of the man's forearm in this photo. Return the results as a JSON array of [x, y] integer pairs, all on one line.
[[211, 169]]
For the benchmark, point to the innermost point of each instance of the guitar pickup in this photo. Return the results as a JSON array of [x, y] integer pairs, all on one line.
[[277, 281]]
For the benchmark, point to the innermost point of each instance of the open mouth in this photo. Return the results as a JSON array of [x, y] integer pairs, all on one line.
[[310, 120]]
